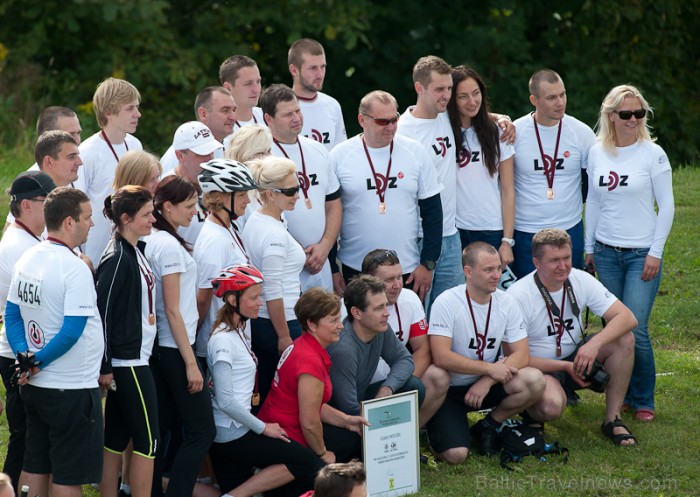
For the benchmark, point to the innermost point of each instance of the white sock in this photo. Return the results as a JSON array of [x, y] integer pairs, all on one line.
[[126, 488]]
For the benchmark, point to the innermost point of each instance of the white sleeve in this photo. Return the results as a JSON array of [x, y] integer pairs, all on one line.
[[663, 193], [273, 269], [592, 213], [340, 135]]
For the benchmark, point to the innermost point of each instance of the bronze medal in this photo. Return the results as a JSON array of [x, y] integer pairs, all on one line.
[[255, 399], [550, 194], [382, 208], [307, 201], [151, 319]]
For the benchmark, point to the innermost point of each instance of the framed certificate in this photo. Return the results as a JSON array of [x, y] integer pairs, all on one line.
[[390, 445]]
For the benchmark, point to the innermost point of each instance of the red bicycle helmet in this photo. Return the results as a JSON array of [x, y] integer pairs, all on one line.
[[236, 279]]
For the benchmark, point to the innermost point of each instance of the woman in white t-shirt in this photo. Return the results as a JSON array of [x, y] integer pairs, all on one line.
[[178, 377], [280, 257], [625, 236], [485, 191]]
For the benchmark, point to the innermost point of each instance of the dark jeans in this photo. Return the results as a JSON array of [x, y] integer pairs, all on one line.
[[16, 423]]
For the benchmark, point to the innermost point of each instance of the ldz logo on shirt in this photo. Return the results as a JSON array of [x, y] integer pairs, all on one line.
[[305, 181], [568, 326], [613, 181], [442, 145], [477, 343], [319, 136], [383, 184], [466, 156], [548, 164]]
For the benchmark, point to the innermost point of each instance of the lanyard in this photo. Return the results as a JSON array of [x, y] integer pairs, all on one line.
[[303, 177], [234, 234], [150, 280], [109, 144], [255, 399], [553, 310], [239, 124], [24, 227], [480, 339], [59, 242], [381, 182], [398, 318], [549, 167]]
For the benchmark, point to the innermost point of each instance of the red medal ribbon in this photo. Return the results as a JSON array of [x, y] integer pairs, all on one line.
[[303, 178], [236, 123], [234, 234], [60, 242], [380, 181], [548, 167], [480, 339], [24, 227], [109, 144]]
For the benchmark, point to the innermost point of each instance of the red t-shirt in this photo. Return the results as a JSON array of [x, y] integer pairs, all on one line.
[[305, 356]]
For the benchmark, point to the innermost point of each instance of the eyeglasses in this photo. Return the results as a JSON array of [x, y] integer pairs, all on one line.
[[287, 192], [381, 121], [384, 255], [626, 115]]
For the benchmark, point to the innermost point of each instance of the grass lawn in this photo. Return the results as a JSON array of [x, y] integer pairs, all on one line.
[[664, 464]]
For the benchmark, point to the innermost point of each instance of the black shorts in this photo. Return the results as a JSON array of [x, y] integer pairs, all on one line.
[[565, 380], [449, 428], [64, 434], [131, 412]]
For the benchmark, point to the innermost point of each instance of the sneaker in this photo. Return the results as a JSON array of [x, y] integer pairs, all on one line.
[[486, 437], [573, 399]]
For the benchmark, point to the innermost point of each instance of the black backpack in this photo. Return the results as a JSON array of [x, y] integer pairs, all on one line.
[[518, 440]]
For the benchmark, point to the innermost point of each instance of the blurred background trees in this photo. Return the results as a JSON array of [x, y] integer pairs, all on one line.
[[55, 52]]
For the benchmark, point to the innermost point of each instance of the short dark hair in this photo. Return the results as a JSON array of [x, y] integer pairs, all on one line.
[[546, 75], [127, 200], [379, 257], [314, 305], [425, 66], [471, 252], [205, 96], [228, 71], [50, 143], [295, 56], [553, 237], [339, 479], [274, 94], [356, 293], [48, 119], [61, 203]]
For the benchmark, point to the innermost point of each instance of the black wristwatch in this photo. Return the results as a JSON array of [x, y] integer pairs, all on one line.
[[429, 265]]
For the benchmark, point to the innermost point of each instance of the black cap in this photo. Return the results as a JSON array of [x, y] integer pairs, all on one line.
[[31, 184]]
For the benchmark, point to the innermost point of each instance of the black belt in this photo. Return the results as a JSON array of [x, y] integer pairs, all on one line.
[[616, 249]]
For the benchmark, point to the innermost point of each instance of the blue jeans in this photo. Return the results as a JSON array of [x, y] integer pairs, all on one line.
[[448, 271], [522, 252], [490, 237], [621, 273]]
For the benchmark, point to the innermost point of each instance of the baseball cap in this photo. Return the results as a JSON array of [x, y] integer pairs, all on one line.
[[31, 184], [197, 137]]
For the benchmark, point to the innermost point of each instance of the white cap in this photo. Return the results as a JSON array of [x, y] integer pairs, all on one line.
[[197, 137]]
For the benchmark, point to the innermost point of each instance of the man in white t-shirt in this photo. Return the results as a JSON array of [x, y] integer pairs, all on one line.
[[52, 317], [116, 103], [323, 117], [215, 108], [469, 326], [194, 144], [407, 320], [551, 149], [428, 123], [389, 189], [315, 221], [240, 75], [551, 299]]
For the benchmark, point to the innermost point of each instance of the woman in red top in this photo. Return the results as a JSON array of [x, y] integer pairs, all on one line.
[[302, 384]]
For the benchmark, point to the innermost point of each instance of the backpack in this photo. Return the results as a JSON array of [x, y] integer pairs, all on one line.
[[517, 440]]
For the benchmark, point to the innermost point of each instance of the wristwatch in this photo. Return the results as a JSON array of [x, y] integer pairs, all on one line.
[[429, 265], [509, 241]]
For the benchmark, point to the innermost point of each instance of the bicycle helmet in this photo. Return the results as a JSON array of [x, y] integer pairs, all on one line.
[[225, 175], [236, 279]]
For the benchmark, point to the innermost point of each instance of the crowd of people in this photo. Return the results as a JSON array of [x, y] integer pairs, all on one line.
[[237, 299]]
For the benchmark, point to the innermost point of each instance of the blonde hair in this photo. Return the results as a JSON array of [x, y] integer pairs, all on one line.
[[135, 168], [554, 237], [249, 142], [605, 130], [269, 173], [215, 201], [110, 96]]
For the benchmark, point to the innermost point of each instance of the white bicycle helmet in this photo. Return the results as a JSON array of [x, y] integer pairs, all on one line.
[[225, 175]]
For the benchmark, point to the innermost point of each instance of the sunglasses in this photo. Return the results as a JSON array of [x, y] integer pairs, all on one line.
[[384, 255], [626, 115], [381, 121], [287, 192]]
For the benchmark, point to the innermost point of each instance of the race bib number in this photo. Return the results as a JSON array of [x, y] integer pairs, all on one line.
[[29, 290]]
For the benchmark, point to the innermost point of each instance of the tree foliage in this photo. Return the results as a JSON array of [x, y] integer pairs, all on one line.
[[55, 53]]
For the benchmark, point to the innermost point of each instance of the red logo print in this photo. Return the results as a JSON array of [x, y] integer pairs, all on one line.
[[35, 335]]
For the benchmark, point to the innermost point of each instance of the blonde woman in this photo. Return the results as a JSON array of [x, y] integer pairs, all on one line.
[[140, 168], [250, 142]]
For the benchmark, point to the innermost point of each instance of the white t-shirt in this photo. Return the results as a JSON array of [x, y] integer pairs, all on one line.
[[228, 347], [621, 191], [438, 139], [479, 205], [59, 284], [308, 225], [191, 233], [274, 251], [148, 330], [542, 338], [167, 256], [411, 178], [533, 211], [450, 317], [323, 120], [95, 179], [216, 248], [14, 243]]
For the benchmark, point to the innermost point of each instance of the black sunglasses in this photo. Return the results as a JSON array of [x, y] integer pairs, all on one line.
[[287, 192], [384, 255], [626, 115], [381, 121]]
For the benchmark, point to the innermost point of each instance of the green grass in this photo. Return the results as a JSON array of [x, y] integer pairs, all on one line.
[[664, 464]]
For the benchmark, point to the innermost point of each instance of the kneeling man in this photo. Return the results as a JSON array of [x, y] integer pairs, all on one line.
[[551, 299], [469, 324]]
